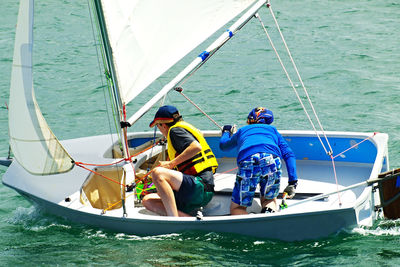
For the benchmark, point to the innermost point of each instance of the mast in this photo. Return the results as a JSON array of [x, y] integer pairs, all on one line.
[[111, 73]]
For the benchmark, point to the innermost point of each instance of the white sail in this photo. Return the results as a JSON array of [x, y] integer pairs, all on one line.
[[34, 145], [147, 37], [222, 39]]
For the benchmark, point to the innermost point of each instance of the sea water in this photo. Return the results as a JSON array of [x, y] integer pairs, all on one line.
[[348, 55]]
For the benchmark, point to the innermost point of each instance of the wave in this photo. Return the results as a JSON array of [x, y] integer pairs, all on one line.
[[381, 228]]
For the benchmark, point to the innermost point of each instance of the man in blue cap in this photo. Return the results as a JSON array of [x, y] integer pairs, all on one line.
[[260, 149], [185, 182]]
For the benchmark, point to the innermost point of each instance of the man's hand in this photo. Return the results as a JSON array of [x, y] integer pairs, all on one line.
[[227, 128], [290, 190], [187, 154]]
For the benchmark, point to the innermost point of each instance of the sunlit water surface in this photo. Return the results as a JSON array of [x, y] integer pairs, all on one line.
[[348, 55]]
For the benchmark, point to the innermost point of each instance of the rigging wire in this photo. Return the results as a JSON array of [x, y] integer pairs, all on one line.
[[112, 100], [80, 164], [121, 160], [291, 83], [119, 112], [90, 8], [355, 145], [330, 152], [179, 86], [299, 77], [211, 53], [179, 90], [109, 86]]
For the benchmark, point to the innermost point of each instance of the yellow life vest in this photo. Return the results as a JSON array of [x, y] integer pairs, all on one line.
[[202, 160]]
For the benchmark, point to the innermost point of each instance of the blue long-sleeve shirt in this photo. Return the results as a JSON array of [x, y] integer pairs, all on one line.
[[259, 138]]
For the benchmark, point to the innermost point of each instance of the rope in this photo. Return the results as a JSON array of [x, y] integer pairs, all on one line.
[[125, 132], [147, 174], [124, 198], [225, 171], [127, 159], [154, 140], [336, 180], [108, 79], [99, 165], [179, 90], [355, 145], [291, 83], [79, 164], [330, 152], [299, 77], [144, 192], [333, 162]]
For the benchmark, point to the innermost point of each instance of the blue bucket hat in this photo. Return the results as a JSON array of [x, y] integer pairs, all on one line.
[[165, 114], [260, 115]]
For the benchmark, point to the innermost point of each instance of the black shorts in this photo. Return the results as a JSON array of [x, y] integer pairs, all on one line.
[[192, 194]]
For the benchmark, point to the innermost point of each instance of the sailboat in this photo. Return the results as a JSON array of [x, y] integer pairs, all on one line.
[[99, 183]]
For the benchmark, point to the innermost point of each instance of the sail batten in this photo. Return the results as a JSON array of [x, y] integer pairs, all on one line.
[[149, 37], [34, 145]]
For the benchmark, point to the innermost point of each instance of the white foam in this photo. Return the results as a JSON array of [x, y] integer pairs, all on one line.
[[32, 219], [383, 228]]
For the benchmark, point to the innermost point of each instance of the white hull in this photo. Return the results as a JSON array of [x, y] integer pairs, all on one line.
[[310, 220]]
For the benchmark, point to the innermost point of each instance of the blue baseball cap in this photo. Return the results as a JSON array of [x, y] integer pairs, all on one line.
[[165, 114], [260, 115]]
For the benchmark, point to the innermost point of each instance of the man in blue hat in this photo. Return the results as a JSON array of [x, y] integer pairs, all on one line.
[[185, 182], [260, 149]]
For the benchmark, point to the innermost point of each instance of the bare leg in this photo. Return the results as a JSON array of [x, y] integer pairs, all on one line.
[[236, 209], [165, 191], [153, 203], [166, 181]]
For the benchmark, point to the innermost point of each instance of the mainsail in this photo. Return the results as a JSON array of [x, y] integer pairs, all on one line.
[[34, 145], [148, 37]]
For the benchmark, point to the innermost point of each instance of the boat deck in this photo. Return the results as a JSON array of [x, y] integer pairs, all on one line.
[[314, 178]]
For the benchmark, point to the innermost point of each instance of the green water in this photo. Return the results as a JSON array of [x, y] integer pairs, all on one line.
[[349, 57]]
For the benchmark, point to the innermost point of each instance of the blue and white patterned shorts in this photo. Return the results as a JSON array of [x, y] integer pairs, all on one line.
[[260, 168]]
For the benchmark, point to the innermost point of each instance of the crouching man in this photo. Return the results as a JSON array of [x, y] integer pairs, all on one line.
[[185, 182], [260, 148]]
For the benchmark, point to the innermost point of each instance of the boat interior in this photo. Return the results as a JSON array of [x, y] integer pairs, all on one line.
[[315, 171]]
